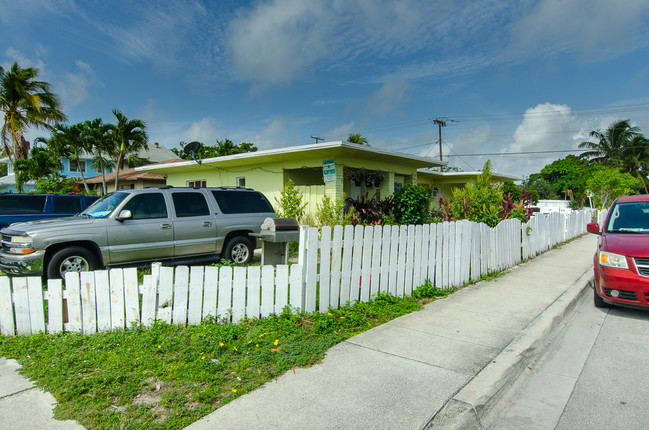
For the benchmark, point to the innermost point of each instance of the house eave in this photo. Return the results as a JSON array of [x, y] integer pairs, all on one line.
[[325, 150]]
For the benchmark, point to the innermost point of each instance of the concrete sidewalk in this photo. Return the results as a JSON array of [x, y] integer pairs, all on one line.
[[441, 367], [22, 405]]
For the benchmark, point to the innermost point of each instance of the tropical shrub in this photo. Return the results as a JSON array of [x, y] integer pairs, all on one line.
[[411, 205], [366, 210], [291, 204], [331, 212], [59, 185]]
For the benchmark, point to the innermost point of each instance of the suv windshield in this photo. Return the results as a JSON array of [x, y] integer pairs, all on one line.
[[631, 217], [104, 206]]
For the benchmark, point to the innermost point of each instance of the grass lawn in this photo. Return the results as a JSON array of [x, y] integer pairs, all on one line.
[[169, 376]]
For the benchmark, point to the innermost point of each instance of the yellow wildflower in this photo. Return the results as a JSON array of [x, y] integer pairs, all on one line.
[[220, 343], [276, 342]]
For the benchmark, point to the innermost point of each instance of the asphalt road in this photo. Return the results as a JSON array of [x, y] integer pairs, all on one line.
[[594, 374]]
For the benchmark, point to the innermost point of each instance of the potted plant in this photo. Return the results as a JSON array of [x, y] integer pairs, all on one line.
[[357, 176], [369, 179], [378, 178]]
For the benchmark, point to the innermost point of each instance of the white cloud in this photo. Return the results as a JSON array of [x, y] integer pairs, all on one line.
[[472, 139], [74, 87], [342, 132], [18, 57], [388, 99]]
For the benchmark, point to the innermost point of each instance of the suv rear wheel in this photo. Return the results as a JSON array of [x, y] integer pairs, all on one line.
[[239, 250], [72, 259]]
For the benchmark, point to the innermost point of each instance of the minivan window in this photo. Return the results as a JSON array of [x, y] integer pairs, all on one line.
[[21, 204], [234, 202], [629, 217], [188, 204]]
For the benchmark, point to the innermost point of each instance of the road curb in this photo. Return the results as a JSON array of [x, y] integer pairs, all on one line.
[[472, 402]]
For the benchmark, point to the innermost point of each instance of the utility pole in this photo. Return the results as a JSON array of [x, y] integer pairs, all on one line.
[[316, 139], [441, 122]]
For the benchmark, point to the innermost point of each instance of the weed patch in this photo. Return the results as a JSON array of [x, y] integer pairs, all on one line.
[[168, 376]]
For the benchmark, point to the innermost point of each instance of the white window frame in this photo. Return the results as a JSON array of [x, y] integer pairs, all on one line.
[[240, 181], [75, 164], [198, 183]]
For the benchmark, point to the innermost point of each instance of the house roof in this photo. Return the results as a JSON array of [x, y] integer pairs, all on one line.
[[155, 153], [323, 150], [463, 177], [129, 175]]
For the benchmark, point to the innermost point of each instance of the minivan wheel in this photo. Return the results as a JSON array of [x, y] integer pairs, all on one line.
[[599, 302], [239, 250], [72, 259]]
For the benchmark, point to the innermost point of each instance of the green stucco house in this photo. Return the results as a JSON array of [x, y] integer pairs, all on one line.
[[328, 168]]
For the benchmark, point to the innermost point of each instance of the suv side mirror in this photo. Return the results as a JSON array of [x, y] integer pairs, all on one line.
[[593, 227], [125, 214]]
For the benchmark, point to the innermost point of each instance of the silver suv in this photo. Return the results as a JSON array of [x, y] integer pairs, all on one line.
[[173, 225]]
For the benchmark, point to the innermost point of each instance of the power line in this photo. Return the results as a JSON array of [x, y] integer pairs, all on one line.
[[520, 153]]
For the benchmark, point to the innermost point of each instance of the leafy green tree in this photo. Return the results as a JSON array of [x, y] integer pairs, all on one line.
[[358, 139], [621, 146], [222, 148], [42, 163], [291, 203], [535, 183], [25, 102], [607, 184], [129, 136], [411, 204]]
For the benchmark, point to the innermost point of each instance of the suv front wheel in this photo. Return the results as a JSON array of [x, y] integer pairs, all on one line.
[[72, 259], [239, 250]]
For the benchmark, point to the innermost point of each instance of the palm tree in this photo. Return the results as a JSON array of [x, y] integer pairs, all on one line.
[[25, 102], [99, 134], [128, 136], [357, 138], [71, 142], [621, 146], [609, 144]]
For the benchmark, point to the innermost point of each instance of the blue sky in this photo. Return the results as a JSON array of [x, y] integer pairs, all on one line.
[[518, 78]]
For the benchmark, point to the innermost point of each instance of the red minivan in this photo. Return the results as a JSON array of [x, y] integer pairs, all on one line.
[[622, 259]]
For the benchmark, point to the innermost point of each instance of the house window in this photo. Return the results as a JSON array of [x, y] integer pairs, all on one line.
[[78, 166], [241, 181], [201, 183]]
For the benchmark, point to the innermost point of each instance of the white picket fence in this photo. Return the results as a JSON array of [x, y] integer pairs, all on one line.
[[336, 266]]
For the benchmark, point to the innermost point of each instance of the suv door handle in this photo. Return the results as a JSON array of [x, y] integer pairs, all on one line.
[[165, 226], [207, 224]]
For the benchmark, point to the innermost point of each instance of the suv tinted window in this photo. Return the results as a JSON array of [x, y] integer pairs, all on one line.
[[234, 202], [190, 204], [21, 204], [147, 206], [67, 205]]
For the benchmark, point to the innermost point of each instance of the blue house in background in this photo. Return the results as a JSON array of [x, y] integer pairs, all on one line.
[[72, 169]]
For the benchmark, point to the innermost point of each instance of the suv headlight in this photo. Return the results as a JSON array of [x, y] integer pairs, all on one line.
[[610, 259], [21, 245]]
